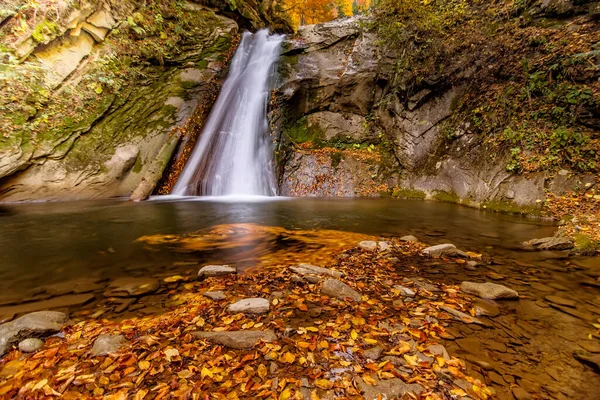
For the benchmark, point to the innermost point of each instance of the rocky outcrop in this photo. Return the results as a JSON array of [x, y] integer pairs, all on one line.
[[99, 96], [348, 123]]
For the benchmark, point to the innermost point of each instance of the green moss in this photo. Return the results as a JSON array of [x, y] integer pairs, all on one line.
[[336, 158], [509, 207], [137, 168], [45, 31], [405, 193], [301, 132], [446, 197], [585, 244]]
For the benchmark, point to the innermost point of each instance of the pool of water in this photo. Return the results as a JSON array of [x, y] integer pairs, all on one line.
[[51, 242]]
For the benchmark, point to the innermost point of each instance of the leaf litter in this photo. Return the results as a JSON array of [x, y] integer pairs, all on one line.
[[323, 347]]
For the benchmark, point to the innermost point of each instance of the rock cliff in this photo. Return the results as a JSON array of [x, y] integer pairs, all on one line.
[[348, 122], [96, 96]]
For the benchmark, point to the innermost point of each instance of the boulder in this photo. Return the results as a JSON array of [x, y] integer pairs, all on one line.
[[550, 243], [238, 339], [368, 245], [106, 344], [383, 246], [216, 270], [441, 250], [37, 324], [489, 290], [339, 290], [250, 306], [215, 295], [30, 345], [132, 287], [308, 269]]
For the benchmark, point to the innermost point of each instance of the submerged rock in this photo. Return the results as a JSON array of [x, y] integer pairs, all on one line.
[[404, 291], [37, 324], [464, 317], [30, 345], [389, 388], [106, 344], [339, 290], [486, 307], [216, 270], [441, 250], [250, 306], [550, 243], [489, 290], [238, 339], [132, 287]]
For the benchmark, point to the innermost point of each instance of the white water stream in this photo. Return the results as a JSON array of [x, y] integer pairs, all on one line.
[[233, 155]]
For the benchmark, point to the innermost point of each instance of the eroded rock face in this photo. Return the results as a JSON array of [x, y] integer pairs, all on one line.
[[78, 131], [338, 94]]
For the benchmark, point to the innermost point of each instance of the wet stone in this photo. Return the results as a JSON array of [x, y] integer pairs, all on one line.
[[339, 290], [461, 316], [132, 287], [560, 301], [520, 394], [238, 339], [308, 269], [216, 270], [486, 307], [405, 291], [368, 245], [107, 344], [541, 287], [374, 353], [441, 250], [592, 346], [30, 345], [37, 324], [250, 306], [409, 238], [573, 312], [489, 290], [215, 295]]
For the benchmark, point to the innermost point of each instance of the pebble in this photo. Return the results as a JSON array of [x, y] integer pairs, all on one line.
[[30, 345], [409, 238], [368, 245], [216, 270], [106, 344], [440, 250], [338, 289], [215, 295]]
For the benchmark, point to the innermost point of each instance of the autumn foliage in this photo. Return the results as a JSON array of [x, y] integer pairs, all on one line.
[[306, 12]]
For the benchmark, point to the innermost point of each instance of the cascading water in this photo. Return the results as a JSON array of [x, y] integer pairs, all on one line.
[[234, 154]]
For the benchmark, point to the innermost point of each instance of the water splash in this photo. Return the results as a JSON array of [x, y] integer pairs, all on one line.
[[234, 154]]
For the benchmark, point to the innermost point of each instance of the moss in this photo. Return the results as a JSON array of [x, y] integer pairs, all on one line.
[[509, 207], [446, 197], [585, 244], [336, 158], [405, 193], [45, 31], [300, 132], [137, 167]]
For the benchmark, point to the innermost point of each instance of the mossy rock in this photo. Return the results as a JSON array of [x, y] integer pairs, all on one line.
[[406, 193]]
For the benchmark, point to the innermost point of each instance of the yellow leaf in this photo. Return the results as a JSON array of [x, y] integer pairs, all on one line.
[[312, 329], [371, 341], [303, 345], [262, 371], [171, 353], [324, 344], [325, 384], [175, 278], [200, 322], [354, 334], [458, 392], [288, 358], [40, 385], [206, 373], [345, 363], [275, 302], [369, 380], [144, 365], [140, 394], [358, 321], [98, 89], [411, 360], [184, 374]]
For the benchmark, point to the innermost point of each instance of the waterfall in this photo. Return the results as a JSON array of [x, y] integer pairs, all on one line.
[[233, 155]]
